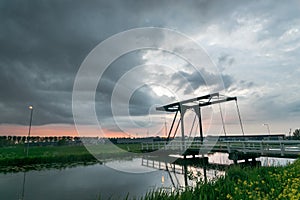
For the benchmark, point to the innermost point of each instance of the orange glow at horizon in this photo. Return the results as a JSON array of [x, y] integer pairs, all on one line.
[[55, 130], [210, 127]]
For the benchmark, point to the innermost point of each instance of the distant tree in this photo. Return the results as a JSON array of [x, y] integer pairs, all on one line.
[[296, 134], [3, 141], [14, 138], [6, 141], [23, 139], [62, 141], [19, 139], [33, 139], [51, 138]]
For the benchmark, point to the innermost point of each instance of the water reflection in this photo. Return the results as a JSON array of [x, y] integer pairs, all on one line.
[[271, 161], [23, 186], [82, 182], [184, 172], [88, 182]]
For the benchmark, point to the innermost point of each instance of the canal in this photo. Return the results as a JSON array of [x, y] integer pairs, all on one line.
[[113, 179]]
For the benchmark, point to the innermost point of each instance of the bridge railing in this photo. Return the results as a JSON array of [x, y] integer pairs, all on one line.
[[178, 145], [171, 145], [263, 147]]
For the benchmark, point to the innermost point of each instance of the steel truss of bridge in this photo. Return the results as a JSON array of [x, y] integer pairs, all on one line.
[[237, 150]]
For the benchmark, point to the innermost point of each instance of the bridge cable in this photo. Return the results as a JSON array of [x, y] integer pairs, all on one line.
[[172, 126], [178, 183], [192, 126], [176, 128], [222, 117], [171, 178], [197, 126], [239, 114]]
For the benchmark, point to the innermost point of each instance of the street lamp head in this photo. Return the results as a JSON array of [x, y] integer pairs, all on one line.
[[265, 124], [30, 107]]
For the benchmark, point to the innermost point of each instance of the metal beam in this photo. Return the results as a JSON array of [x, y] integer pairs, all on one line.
[[172, 126], [196, 104], [201, 101], [197, 110]]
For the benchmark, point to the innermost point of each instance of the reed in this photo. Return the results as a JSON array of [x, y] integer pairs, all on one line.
[[243, 183]]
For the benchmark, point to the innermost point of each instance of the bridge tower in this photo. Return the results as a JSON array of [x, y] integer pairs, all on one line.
[[195, 104]]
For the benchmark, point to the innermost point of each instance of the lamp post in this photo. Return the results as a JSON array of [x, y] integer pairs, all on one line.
[[268, 127], [29, 129], [24, 176]]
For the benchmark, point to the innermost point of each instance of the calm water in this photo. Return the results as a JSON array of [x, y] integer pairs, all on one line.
[[84, 182], [88, 182]]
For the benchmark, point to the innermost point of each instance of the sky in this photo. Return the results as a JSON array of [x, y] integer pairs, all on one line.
[[253, 47]]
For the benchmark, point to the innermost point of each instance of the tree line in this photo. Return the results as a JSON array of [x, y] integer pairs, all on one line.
[[61, 140], [11, 140]]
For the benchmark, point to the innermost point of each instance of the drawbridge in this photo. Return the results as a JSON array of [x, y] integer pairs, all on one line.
[[237, 150]]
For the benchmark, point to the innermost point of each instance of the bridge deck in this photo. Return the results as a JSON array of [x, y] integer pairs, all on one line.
[[254, 148]]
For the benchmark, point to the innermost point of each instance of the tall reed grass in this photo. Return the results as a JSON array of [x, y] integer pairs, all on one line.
[[242, 183]]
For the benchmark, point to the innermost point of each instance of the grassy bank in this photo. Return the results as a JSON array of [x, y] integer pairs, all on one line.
[[15, 157], [247, 183]]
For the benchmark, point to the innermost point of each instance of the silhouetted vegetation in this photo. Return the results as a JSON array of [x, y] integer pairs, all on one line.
[[242, 183], [296, 134], [38, 141]]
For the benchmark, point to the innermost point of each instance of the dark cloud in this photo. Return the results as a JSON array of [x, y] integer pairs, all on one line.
[[193, 81], [43, 43], [294, 107], [144, 98], [224, 61]]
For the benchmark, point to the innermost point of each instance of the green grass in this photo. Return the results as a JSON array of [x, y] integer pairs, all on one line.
[[239, 183], [14, 156], [243, 183], [18, 151]]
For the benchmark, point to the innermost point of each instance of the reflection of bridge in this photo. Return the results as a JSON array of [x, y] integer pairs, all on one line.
[[171, 168], [237, 150], [183, 167]]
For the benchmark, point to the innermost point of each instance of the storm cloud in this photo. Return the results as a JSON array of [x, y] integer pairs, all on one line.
[[255, 45]]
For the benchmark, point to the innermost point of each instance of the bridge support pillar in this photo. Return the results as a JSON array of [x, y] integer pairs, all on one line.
[[182, 112], [197, 110]]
